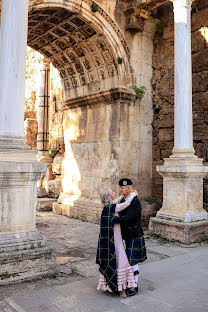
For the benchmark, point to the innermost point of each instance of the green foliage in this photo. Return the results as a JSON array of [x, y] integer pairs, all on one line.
[[140, 92], [54, 275], [94, 7], [149, 200], [32, 246], [5, 275], [52, 152], [198, 241], [120, 60], [159, 28], [14, 274], [40, 245]]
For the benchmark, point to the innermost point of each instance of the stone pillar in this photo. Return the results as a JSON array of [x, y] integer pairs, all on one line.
[[183, 128], [43, 114], [182, 216], [19, 169]]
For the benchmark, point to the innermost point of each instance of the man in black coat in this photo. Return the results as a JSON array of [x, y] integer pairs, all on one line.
[[131, 230]]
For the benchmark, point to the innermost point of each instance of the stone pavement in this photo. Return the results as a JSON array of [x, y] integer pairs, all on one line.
[[174, 278]]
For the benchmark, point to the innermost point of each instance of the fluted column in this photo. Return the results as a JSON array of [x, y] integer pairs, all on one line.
[[19, 169], [14, 19]]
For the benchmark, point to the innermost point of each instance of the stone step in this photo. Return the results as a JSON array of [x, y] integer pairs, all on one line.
[[45, 204]]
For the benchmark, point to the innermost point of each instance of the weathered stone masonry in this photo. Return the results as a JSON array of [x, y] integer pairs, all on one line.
[[163, 89]]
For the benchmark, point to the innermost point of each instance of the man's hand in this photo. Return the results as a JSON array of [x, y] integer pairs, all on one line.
[[113, 195]]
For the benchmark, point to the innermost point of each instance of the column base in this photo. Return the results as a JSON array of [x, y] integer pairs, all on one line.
[[183, 189], [21, 240], [186, 217], [18, 199], [186, 233], [22, 265], [13, 142]]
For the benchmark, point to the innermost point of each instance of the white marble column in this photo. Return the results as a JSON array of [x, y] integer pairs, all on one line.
[[19, 169], [183, 127], [14, 19]]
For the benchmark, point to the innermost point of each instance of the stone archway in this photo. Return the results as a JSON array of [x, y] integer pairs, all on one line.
[[99, 110], [83, 45]]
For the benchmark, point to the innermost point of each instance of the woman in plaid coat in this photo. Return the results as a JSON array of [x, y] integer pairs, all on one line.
[[116, 273], [131, 229], [128, 208]]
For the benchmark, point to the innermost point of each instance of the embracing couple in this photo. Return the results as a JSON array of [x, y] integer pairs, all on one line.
[[121, 243]]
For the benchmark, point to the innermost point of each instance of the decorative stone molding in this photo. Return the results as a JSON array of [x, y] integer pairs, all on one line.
[[96, 99], [182, 3], [74, 41]]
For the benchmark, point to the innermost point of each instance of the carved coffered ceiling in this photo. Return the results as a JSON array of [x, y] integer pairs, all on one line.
[[73, 45]]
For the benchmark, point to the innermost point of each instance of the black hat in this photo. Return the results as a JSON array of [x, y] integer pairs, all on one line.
[[124, 182]]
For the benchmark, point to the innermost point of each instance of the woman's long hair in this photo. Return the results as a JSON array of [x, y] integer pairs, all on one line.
[[105, 196]]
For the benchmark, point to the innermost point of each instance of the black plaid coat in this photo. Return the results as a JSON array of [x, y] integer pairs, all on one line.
[[106, 257]]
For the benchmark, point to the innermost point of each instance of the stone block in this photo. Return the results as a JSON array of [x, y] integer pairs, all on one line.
[[57, 208], [166, 134], [22, 265], [201, 150], [206, 193], [54, 188], [31, 131], [200, 132], [41, 192], [45, 204], [165, 153], [148, 210], [199, 19], [186, 233], [200, 60], [80, 210], [49, 173], [201, 4], [165, 121], [57, 164], [200, 101], [198, 42]]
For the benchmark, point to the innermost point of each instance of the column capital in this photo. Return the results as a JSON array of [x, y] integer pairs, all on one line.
[[182, 3]]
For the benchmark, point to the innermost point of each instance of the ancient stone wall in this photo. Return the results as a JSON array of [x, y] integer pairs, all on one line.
[[101, 145], [95, 59], [163, 89]]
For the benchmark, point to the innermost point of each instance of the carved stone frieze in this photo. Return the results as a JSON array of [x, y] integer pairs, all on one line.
[[96, 99], [76, 48]]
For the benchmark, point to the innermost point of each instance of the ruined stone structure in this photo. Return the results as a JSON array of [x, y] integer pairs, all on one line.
[[106, 149], [102, 127], [107, 134]]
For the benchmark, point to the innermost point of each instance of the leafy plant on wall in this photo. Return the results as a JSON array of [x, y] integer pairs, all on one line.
[[140, 92]]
